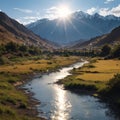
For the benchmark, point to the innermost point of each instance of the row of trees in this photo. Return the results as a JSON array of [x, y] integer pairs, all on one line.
[[22, 50], [17, 49]]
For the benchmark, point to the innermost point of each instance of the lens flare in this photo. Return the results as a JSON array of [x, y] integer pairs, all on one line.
[[63, 11]]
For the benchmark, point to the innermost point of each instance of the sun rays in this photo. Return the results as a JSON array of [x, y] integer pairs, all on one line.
[[63, 11]]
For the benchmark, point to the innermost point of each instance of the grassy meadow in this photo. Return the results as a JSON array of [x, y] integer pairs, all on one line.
[[92, 76], [36, 64]]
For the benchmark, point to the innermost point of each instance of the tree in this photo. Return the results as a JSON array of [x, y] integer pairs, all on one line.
[[2, 49], [106, 49], [114, 83], [23, 48], [116, 52], [11, 47]]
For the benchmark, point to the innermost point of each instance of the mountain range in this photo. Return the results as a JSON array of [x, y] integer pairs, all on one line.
[[112, 38], [11, 30], [80, 26]]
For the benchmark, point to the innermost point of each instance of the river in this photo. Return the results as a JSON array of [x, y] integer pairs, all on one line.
[[59, 104]]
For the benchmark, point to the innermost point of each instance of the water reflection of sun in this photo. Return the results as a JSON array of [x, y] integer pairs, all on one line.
[[62, 105]]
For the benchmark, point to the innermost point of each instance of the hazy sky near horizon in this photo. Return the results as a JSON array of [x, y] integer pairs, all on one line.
[[26, 11]]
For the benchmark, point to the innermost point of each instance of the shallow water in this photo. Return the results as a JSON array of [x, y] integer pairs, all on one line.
[[60, 104]]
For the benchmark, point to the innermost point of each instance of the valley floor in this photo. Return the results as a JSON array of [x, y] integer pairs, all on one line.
[[92, 78], [14, 103]]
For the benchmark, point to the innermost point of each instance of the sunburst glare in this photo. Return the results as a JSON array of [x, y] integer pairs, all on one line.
[[63, 11]]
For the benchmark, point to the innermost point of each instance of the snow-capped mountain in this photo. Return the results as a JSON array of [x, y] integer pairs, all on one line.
[[79, 26]]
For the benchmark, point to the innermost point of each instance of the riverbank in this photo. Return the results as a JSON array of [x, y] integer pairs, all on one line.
[[96, 78], [15, 104]]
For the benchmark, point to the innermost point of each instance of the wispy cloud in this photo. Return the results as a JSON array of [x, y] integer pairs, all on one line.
[[23, 10], [91, 10], [114, 11], [108, 1], [52, 9], [24, 22], [31, 18], [51, 13], [28, 19]]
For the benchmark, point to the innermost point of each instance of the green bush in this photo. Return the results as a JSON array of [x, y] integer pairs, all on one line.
[[11, 47], [3, 60], [106, 49], [6, 110], [114, 84], [116, 52]]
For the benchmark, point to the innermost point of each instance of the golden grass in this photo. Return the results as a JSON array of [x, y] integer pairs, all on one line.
[[92, 75], [96, 77], [38, 65], [102, 70]]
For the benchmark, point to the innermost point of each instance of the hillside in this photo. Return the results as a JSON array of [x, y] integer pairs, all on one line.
[[79, 26], [112, 38], [11, 30]]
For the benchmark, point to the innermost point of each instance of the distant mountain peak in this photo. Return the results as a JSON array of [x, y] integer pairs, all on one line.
[[111, 17], [97, 15], [80, 14], [80, 26]]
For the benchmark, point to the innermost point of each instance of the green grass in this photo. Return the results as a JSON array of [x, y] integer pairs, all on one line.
[[71, 82], [10, 98]]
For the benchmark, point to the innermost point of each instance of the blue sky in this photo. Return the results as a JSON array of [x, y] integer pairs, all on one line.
[[26, 11]]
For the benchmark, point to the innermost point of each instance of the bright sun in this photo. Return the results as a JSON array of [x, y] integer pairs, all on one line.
[[63, 11]]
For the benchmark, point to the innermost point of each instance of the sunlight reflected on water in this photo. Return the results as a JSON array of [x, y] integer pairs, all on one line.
[[62, 105]]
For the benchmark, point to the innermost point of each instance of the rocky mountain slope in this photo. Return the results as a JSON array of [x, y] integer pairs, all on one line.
[[11, 30], [113, 38]]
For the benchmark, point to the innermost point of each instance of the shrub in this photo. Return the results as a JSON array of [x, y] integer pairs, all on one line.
[[23, 48], [116, 51], [23, 106], [6, 110], [91, 66], [106, 49], [3, 60], [11, 47], [114, 83]]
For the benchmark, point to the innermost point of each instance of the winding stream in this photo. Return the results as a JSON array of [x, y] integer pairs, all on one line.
[[60, 104]]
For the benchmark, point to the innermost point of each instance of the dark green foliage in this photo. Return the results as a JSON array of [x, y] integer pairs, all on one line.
[[6, 110], [116, 52], [23, 48], [11, 47], [106, 49], [108, 53], [2, 49], [3, 60], [112, 92], [81, 86], [114, 84]]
